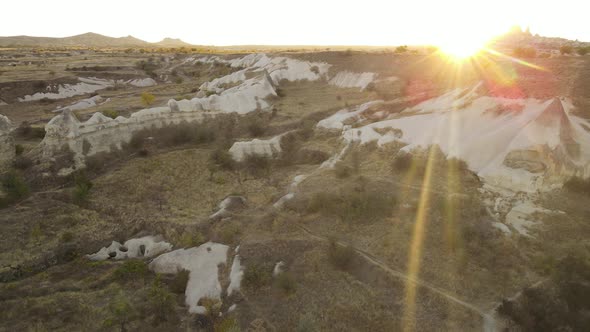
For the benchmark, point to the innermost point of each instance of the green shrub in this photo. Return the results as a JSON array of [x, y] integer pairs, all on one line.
[[256, 165], [82, 186], [401, 49], [256, 129], [402, 162], [189, 239], [354, 204], [121, 312], [67, 237], [583, 50], [110, 113], [147, 98], [15, 188], [340, 256], [161, 302], [342, 170], [525, 52], [223, 159], [131, 269], [18, 149], [178, 284], [578, 185], [256, 276], [228, 324], [22, 162], [566, 49], [286, 282], [229, 233]]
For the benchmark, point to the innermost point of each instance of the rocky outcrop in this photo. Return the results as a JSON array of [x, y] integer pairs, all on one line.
[[518, 144], [269, 148], [6, 142], [347, 79], [227, 206]]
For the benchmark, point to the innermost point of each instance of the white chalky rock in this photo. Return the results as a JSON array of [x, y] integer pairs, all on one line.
[[201, 262], [517, 144], [270, 148], [147, 246], [347, 79]]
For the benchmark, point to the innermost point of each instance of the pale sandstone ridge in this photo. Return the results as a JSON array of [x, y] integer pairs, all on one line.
[[347, 79], [518, 144], [202, 263], [6, 142], [85, 86], [269, 148], [241, 92]]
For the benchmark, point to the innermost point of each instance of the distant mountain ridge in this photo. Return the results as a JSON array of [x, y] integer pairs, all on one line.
[[89, 39]]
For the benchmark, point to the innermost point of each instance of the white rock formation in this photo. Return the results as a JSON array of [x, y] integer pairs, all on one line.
[[142, 82], [270, 148], [519, 144], [342, 118], [235, 276], [521, 215], [147, 246], [6, 142], [229, 204], [279, 68], [84, 104], [201, 262], [86, 85], [278, 269], [347, 79]]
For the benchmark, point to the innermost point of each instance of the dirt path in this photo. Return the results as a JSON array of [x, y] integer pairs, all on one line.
[[489, 324]]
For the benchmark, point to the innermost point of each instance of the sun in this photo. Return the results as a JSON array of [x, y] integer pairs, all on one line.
[[461, 49]]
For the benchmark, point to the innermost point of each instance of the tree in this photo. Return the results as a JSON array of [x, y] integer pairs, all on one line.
[[121, 312], [566, 49], [401, 49], [147, 98]]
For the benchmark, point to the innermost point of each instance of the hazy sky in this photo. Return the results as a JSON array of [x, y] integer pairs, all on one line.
[[231, 22]]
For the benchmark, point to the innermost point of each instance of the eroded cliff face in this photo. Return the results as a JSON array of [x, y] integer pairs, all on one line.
[[7, 153]]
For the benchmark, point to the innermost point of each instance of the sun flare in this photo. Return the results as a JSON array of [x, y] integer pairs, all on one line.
[[461, 49]]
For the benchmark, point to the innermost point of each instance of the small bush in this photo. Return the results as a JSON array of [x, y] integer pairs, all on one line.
[[286, 282], [340, 256], [401, 49], [354, 204], [342, 170], [131, 269], [256, 276], [578, 185], [110, 113], [22, 162], [257, 165], [566, 49], [147, 98], [121, 312], [81, 189], [525, 52], [189, 239], [67, 237], [178, 284], [15, 188], [583, 50], [256, 129], [402, 162], [18, 149], [161, 302], [229, 233], [223, 159]]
